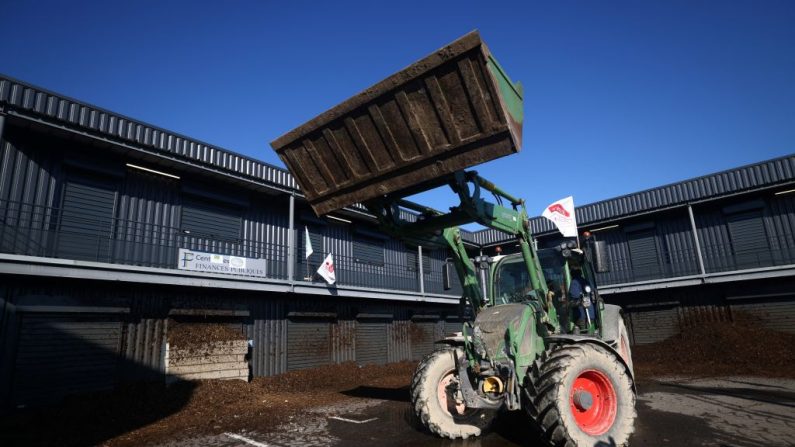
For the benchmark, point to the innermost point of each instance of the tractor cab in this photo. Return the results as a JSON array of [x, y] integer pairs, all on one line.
[[510, 283]]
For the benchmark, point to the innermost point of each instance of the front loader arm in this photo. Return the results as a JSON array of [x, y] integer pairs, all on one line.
[[441, 229]]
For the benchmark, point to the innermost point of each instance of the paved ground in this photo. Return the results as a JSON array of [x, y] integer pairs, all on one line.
[[741, 412]]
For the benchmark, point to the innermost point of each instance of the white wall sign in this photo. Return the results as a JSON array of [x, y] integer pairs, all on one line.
[[200, 261]]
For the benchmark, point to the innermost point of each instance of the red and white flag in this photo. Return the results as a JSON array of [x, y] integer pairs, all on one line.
[[326, 270], [561, 213]]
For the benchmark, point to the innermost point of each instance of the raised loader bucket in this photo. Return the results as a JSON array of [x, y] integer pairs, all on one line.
[[450, 111]]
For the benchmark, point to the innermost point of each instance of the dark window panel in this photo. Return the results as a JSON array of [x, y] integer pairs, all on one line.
[[368, 251]]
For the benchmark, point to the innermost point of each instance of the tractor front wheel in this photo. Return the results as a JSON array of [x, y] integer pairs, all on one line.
[[437, 401], [581, 395]]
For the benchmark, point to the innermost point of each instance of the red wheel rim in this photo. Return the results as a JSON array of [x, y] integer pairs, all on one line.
[[447, 401], [593, 402]]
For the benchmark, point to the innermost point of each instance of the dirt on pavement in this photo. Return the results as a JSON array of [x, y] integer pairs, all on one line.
[[141, 414], [149, 413]]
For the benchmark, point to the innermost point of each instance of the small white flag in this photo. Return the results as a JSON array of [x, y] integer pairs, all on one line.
[[326, 270], [307, 245], [561, 213]]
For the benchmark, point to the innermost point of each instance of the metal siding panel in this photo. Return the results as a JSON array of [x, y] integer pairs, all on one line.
[[649, 326], [147, 219], [679, 249], [368, 251], [343, 338], [371, 342], [762, 174], [59, 355], [715, 241], [210, 220], [265, 231], [750, 245], [453, 326], [620, 267], [433, 259], [423, 334], [308, 344], [270, 337], [781, 229], [36, 101], [778, 315], [86, 219]]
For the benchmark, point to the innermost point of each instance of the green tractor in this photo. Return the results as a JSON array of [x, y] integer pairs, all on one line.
[[539, 338], [534, 343]]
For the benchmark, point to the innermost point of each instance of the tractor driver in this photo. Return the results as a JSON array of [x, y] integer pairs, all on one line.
[[577, 290]]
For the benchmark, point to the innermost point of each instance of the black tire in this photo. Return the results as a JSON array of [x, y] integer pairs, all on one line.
[[445, 419], [549, 397]]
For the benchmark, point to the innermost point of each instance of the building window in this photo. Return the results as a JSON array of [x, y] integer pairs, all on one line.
[[644, 255], [86, 219], [368, 250], [209, 220], [411, 260], [749, 239]]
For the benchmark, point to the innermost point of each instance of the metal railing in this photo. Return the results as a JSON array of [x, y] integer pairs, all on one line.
[[778, 251], [673, 264], [48, 232], [351, 271]]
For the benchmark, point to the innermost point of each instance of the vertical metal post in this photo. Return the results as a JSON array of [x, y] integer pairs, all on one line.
[[2, 125], [695, 240], [420, 269], [8, 340], [291, 244]]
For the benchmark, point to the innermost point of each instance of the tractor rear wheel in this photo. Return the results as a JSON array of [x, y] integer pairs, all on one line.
[[622, 345], [580, 395], [437, 401]]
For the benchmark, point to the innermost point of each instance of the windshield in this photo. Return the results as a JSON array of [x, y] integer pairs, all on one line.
[[553, 265], [512, 281]]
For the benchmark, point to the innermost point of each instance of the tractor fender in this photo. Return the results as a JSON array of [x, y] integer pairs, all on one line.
[[457, 339], [611, 315], [569, 339]]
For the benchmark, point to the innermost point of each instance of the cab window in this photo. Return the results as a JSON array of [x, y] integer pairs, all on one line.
[[512, 281]]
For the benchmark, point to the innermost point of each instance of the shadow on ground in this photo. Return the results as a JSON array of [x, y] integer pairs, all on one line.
[[54, 404]]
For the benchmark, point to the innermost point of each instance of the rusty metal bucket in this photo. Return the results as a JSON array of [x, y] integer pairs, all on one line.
[[449, 111]]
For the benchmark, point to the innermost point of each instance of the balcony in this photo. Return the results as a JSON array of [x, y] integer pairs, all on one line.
[[48, 233], [719, 259]]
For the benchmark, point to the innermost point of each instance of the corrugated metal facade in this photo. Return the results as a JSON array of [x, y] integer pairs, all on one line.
[[734, 212], [143, 219], [756, 176], [749, 231], [61, 354], [122, 331], [37, 103], [655, 315]]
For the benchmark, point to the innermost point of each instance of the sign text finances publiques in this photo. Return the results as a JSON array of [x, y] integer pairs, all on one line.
[[200, 261]]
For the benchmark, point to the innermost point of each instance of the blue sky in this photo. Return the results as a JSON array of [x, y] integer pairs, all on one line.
[[619, 96]]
